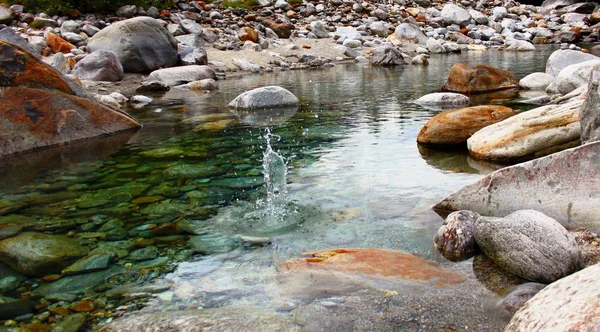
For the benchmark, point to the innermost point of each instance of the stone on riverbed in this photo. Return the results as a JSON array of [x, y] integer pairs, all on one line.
[[562, 186], [182, 75], [455, 240], [536, 81], [142, 44], [516, 297], [443, 99], [570, 304], [533, 133], [35, 254], [453, 14], [411, 33], [530, 245], [590, 111], [456, 126], [99, 66], [265, 98], [387, 56], [574, 76], [516, 45], [562, 58], [467, 78]]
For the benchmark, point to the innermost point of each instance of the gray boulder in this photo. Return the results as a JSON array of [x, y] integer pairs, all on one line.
[[9, 35], [453, 14], [570, 304], [379, 28], [410, 32], [455, 239], [516, 45], [142, 44], [182, 75], [575, 76], [265, 98], [319, 28], [99, 66], [560, 59], [434, 46], [387, 56], [530, 245], [443, 99], [192, 56], [6, 15], [590, 112], [536, 81]]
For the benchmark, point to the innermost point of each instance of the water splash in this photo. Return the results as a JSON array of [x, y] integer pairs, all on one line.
[[275, 173]]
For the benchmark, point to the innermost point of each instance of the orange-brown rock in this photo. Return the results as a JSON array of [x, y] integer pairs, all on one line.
[[83, 306], [58, 44], [41, 107], [466, 78], [456, 126], [283, 30], [340, 271], [248, 33]]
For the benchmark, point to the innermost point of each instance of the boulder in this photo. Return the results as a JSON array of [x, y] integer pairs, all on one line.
[[590, 112], [41, 107], [283, 30], [516, 298], [347, 33], [6, 15], [248, 33], [516, 45], [552, 185], [529, 244], [456, 126], [443, 99], [570, 304], [533, 133], [434, 46], [10, 36], [192, 55], [58, 44], [575, 76], [142, 44], [411, 33], [453, 14], [560, 59], [37, 254], [455, 239], [319, 28], [536, 81], [265, 98], [182, 75], [99, 66], [387, 56], [467, 78]]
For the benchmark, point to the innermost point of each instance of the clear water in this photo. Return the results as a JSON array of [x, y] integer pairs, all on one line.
[[343, 170]]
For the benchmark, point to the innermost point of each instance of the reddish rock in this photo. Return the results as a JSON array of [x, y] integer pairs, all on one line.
[[83, 306], [248, 33], [283, 30], [456, 126], [466, 78], [58, 44]]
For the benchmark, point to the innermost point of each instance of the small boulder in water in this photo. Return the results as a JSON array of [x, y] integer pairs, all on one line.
[[265, 98], [455, 239], [443, 99]]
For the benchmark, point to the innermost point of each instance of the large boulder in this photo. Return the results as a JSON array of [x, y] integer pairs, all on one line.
[[590, 112], [516, 45], [456, 126], [570, 304], [410, 32], [529, 244], [37, 254], [265, 98], [529, 134], [552, 185], [560, 59], [182, 75], [453, 14], [466, 78], [387, 55], [455, 239], [443, 99], [536, 81], [41, 107], [575, 76], [99, 66], [142, 44]]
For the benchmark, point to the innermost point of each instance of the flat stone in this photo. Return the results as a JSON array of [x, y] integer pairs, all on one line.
[[88, 264], [71, 323], [182, 75], [79, 283]]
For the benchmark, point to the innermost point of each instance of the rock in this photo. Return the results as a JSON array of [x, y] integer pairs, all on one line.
[[65, 115], [205, 84], [209, 244], [560, 59], [516, 298], [532, 133], [36, 254], [453, 14], [99, 66], [31, 45], [58, 44], [516, 45], [181, 75], [140, 100], [283, 30], [71, 323], [589, 113], [575, 76], [443, 99], [88, 264], [420, 60], [455, 240], [319, 28], [570, 304], [193, 56], [435, 46], [141, 44], [6, 15], [347, 33], [379, 29], [144, 254], [387, 56], [466, 78], [456, 126], [410, 32], [246, 65], [78, 283], [152, 86], [127, 11], [265, 98], [530, 245], [248, 34], [478, 17], [536, 81]]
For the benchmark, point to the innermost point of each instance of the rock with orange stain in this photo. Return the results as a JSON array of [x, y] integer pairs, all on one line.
[[342, 271], [35, 327], [248, 33], [83, 306], [59, 311], [58, 44], [456, 126], [466, 78]]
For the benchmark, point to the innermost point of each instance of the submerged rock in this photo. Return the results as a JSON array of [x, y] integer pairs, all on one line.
[[570, 304], [455, 239], [516, 297], [456, 126], [467, 78], [265, 98], [443, 99]]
